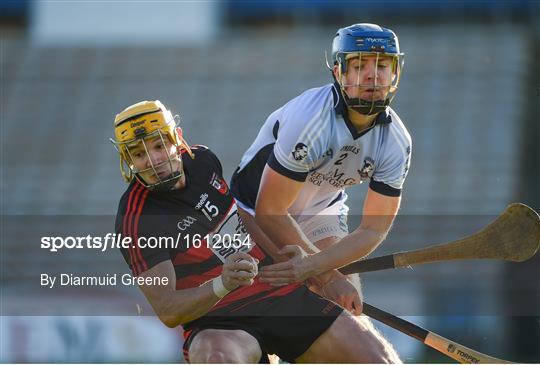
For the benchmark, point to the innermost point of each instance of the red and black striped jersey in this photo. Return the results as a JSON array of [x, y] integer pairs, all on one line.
[[193, 227]]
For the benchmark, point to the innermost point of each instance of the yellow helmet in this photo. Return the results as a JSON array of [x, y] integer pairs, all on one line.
[[140, 121]]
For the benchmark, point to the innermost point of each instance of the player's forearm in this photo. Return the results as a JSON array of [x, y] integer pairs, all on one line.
[[355, 246], [177, 307], [283, 231]]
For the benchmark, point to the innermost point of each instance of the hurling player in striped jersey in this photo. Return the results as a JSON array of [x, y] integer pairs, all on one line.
[[207, 279]]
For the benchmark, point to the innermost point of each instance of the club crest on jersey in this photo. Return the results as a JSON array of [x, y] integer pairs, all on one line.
[[300, 152], [219, 184], [367, 170]]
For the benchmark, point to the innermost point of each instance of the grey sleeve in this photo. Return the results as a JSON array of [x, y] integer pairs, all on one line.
[[300, 143], [393, 168]]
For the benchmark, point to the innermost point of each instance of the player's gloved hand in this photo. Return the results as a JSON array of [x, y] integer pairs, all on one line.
[[340, 290], [239, 269], [295, 270]]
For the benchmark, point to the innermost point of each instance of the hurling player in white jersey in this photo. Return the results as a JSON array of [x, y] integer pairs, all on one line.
[[290, 184]]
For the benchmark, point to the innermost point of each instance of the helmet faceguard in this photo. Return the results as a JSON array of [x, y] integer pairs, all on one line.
[[367, 42], [138, 128]]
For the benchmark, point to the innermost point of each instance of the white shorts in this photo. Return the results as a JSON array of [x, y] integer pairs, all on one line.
[[329, 222]]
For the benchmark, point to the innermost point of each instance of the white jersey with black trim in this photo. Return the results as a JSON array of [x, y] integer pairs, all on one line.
[[311, 139]]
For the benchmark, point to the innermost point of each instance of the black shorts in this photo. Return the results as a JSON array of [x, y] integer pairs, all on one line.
[[283, 325]]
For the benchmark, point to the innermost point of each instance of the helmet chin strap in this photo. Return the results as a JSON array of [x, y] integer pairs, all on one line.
[[366, 107]]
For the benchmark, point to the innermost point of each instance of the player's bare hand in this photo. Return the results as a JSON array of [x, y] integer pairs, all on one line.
[[239, 269], [342, 291], [297, 269]]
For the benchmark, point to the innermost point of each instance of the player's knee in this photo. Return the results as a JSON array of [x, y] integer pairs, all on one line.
[[212, 356], [222, 357], [218, 346]]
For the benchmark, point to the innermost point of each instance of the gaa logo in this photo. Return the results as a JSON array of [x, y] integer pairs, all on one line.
[[451, 348], [186, 223]]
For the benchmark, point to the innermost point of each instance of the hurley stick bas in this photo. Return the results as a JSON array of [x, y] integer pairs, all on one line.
[[513, 236]]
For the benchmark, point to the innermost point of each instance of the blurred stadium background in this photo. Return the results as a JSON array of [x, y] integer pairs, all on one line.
[[470, 96]]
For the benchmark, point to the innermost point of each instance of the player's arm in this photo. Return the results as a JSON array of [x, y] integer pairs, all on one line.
[[175, 307], [377, 217], [378, 214], [276, 194]]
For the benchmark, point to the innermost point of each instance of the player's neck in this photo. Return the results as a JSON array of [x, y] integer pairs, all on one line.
[[360, 121]]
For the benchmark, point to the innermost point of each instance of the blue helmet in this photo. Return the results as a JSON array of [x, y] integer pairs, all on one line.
[[363, 40]]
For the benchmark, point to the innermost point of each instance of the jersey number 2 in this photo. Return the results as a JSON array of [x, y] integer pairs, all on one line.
[[341, 158]]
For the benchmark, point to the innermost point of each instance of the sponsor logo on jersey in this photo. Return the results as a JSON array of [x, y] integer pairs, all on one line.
[[186, 223], [219, 184], [202, 199], [300, 152], [335, 178], [367, 169], [352, 149]]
